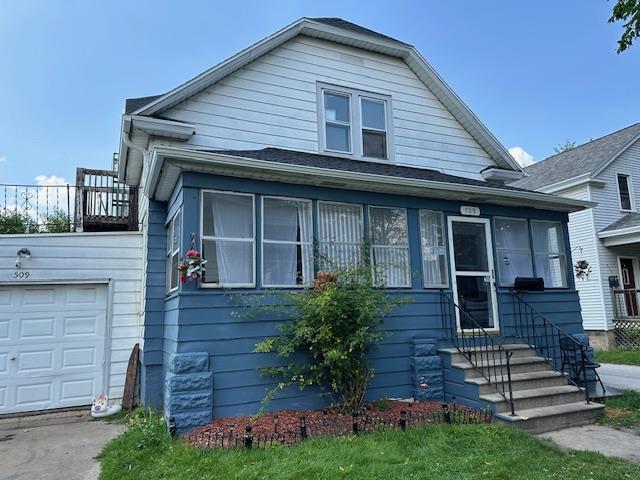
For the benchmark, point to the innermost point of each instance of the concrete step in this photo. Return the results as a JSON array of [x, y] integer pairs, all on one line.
[[487, 353], [555, 417], [499, 368], [523, 381], [536, 398]]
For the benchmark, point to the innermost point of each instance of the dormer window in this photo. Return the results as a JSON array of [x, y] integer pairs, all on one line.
[[355, 123], [624, 192]]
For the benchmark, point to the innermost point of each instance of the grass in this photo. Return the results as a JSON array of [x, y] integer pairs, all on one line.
[[622, 410], [144, 451], [622, 357]]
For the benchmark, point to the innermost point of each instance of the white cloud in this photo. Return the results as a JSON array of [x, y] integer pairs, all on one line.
[[44, 180], [3, 160], [521, 156]]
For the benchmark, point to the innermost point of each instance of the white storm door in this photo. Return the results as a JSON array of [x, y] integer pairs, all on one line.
[[473, 275], [52, 345]]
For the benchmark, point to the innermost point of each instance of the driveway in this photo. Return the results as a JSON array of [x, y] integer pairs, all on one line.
[[619, 377], [54, 452]]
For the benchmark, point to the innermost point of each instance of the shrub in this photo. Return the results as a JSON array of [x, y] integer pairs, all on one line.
[[15, 222], [57, 222], [335, 323]]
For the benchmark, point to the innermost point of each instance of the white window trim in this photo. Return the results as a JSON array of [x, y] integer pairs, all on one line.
[[563, 253], [252, 240], [631, 195], [394, 247], [444, 245], [328, 202], [355, 107], [283, 242], [529, 250], [171, 226]]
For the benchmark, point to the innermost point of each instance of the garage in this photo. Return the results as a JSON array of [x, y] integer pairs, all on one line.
[[52, 345]]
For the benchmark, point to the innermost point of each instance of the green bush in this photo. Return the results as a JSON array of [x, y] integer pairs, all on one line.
[[57, 222], [16, 223], [334, 323]]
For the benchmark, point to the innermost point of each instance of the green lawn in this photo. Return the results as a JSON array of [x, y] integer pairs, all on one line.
[[623, 357], [622, 410], [438, 452]]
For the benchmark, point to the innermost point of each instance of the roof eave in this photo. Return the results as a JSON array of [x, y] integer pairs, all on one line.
[[185, 157]]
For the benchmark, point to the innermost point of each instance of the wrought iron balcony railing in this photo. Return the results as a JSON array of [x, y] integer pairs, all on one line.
[[626, 304]]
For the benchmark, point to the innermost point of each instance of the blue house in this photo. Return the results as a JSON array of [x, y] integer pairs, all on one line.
[[305, 142]]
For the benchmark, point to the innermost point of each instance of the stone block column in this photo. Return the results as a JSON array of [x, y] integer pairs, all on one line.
[[428, 382], [188, 390]]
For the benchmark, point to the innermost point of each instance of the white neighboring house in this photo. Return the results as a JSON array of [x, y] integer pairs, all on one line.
[[605, 171]]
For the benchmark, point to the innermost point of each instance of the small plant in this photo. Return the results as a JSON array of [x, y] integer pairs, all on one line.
[[334, 323], [57, 222], [382, 405]]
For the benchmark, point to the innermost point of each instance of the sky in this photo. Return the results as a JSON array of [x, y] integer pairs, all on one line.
[[536, 73]]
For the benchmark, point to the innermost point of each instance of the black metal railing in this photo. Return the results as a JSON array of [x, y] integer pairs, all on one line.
[[36, 209], [626, 303], [479, 347], [564, 353]]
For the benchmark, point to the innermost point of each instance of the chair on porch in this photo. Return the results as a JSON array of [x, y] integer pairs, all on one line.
[[576, 357]]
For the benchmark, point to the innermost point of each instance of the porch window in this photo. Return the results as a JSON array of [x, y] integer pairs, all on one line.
[[340, 232], [624, 191], [513, 249], [434, 251], [548, 247], [173, 251], [287, 242], [228, 239], [390, 246]]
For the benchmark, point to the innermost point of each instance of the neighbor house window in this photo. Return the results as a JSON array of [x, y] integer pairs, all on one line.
[[228, 239], [390, 246], [340, 233], [173, 251], [434, 250], [513, 249], [624, 191], [548, 248], [355, 122], [287, 242]]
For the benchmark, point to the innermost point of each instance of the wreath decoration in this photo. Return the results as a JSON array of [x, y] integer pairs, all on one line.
[[582, 269], [191, 266]]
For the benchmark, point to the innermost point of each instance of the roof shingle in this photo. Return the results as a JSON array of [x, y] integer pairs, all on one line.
[[628, 221]]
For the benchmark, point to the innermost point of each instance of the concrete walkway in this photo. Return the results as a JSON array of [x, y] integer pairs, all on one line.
[[54, 452], [609, 441], [619, 377]]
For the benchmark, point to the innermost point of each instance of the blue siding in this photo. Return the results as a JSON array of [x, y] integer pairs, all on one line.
[[207, 320]]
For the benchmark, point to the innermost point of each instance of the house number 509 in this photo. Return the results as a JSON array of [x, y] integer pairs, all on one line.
[[21, 275]]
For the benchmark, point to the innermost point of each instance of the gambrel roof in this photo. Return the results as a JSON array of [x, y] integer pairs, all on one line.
[[342, 32], [585, 160]]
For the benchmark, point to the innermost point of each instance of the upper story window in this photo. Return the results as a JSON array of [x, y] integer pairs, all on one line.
[[228, 239], [390, 246], [355, 123], [513, 249], [173, 251], [548, 249], [624, 192]]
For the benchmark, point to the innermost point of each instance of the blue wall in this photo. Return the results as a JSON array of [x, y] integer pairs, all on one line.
[[210, 320]]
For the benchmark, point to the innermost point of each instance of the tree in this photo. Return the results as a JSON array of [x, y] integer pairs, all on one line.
[[627, 12], [564, 147], [16, 223], [57, 222]]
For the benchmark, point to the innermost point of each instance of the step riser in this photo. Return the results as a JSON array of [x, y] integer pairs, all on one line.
[[526, 384], [502, 370], [556, 422], [484, 356], [544, 401]]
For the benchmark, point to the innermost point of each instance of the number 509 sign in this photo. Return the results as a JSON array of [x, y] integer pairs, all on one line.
[[21, 275]]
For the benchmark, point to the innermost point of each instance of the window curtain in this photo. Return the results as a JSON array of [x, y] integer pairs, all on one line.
[[514, 252], [551, 263], [390, 249], [231, 224], [434, 253], [340, 231]]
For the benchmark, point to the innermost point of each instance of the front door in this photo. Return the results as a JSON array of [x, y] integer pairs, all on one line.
[[629, 285], [472, 272]]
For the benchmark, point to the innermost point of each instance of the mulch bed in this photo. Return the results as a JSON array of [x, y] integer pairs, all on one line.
[[284, 427]]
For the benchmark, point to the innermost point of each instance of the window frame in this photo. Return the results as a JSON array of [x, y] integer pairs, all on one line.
[[629, 179], [323, 127], [444, 245], [530, 250], [532, 222], [284, 242], [204, 237], [171, 251], [373, 245], [356, 125], [319, 203]]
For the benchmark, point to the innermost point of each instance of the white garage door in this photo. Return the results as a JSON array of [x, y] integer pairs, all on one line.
[[52, 345]]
